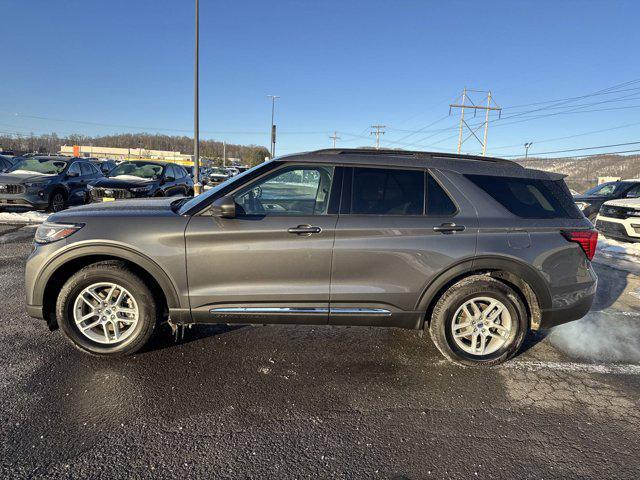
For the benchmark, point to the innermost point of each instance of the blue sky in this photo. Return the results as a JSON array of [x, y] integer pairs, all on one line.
[[95, 67]]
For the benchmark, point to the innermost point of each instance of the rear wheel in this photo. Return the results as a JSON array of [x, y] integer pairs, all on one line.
[[106, 309], [479, 321]]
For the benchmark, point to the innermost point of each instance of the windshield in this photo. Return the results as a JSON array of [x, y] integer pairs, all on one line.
[[606, 189], [185, 207], [43, 166], [137, 170]]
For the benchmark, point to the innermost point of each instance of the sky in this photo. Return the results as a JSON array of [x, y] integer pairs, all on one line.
[[102, 67]]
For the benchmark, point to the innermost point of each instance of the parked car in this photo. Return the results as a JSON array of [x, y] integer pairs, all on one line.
[[218, 175], [50, 183], [105, 166], [591, 200], [6, 162], [620, 219], [204, 178], [232, 171], [142, 179], [477, 250]]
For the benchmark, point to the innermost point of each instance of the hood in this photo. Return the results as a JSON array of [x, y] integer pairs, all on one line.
[[12, 177], [624, 202], [123, 182], [588, 199], [144, 207]]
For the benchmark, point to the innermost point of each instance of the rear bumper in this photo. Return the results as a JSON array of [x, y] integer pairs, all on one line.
[[557, 316]]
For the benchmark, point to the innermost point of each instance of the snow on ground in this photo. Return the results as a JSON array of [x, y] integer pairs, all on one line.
[[613, 248], [23, 217]]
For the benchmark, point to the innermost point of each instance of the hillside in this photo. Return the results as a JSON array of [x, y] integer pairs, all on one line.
[[582, 173]]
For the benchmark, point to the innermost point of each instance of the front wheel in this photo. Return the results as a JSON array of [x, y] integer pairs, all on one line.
[[57, 202], [479, 321], [106, 309]]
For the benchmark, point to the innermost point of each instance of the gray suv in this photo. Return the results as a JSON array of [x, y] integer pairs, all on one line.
[[477, 250]]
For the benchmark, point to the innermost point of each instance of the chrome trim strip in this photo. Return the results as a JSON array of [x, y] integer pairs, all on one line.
[[268, 310], [360, 311]]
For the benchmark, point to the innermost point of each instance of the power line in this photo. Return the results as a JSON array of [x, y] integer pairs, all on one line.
[[579, 149]]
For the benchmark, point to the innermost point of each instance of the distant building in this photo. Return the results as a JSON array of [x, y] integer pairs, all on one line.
[[126, 154]]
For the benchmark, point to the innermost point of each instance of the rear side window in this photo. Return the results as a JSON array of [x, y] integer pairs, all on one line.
[[438, 202], [529, 198], [378, 191]]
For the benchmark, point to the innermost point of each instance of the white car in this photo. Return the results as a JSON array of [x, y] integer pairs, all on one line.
[[620, 219]]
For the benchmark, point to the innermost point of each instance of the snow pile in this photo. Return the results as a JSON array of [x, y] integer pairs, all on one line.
[[23, 217], [612, 248]]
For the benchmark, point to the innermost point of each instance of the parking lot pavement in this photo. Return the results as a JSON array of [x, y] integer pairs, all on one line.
[[285, 402]]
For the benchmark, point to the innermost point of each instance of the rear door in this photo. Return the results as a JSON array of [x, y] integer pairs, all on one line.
[[398, 229], [272, 262]]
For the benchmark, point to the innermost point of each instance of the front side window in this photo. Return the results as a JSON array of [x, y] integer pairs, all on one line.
[[75, 169], [378, 191], [292, 191]]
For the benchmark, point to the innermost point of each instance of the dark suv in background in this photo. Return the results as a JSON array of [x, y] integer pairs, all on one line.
[[477, 250], [591, 200], [142, 179], [51, 183]]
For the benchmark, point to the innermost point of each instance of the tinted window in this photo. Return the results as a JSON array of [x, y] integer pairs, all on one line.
[[171, 171], [529, 198], [87, 169], [75, 168], [141, 169], [180, 172], [292, 191], [380, 191], [634, 192], [438, 202]]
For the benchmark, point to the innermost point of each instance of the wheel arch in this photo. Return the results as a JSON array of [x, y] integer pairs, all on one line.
[[523, 278], [56, 272]]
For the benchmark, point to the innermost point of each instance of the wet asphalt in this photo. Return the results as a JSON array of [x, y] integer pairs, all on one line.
[[308, 402]]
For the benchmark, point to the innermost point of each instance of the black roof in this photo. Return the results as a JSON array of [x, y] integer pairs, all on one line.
[[461, 163]]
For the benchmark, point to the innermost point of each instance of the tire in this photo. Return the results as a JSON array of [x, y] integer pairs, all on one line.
[[54, 201], [449, 316], [136, 297]]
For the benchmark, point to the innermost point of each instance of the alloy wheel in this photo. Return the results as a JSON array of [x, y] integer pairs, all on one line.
[[57, 202], [106, 313], [482, 326]]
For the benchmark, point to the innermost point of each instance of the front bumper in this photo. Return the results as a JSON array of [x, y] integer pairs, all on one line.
[[627, 229], [34, 200]]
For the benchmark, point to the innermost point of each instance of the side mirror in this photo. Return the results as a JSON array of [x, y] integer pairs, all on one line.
[[224, 207]]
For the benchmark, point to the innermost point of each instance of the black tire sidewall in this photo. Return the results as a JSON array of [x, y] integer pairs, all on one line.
[[141, 294], [492, 289], [64, 200]]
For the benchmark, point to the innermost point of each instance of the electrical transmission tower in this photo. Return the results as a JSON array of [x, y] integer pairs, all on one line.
[[468, 103], [334, 137], [378, 131]]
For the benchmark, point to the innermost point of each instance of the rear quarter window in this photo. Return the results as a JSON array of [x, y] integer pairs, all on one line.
[[529, 198]]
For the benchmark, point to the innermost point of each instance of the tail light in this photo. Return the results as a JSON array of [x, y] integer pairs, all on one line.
[[587, 239]]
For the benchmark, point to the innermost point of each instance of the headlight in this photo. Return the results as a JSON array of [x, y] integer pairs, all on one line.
[[90, 187], [35, 185], [146, 188], [582, 205], [49, 232]]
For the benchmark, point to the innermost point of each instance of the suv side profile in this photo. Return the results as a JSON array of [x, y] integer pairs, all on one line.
[[476, 250]]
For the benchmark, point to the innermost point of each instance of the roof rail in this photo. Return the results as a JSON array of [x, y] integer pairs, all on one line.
[[412, 153]]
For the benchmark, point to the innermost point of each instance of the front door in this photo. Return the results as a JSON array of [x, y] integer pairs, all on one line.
[[272, 262]]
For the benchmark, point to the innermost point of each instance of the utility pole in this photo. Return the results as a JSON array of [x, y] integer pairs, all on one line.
[[378, 131], [526, 149], [197, 187], [468, 103], [334, 137], [273, 125]]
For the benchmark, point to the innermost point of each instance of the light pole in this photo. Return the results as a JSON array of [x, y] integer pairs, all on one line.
[[526, 149], [273, 125], [197, 187]]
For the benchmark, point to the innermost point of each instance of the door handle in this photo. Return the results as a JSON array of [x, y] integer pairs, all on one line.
[[304, 230], [448, 228]]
